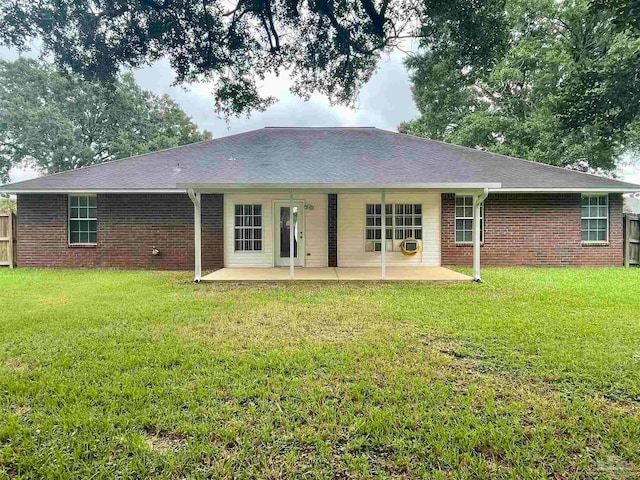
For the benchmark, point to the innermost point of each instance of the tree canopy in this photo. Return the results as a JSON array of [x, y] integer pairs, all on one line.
[[327, 46], [565, 90], [56, 122]]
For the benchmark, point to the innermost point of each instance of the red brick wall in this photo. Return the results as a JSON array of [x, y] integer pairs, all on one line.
[[533, 229], [128, 227]]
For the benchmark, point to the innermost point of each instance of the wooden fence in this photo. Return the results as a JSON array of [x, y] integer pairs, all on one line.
[[631, 240], [7, 239]]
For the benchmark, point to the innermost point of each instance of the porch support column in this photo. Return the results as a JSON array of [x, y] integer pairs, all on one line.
[[292, 266], [477, 204], [197, 232], [383, 247]]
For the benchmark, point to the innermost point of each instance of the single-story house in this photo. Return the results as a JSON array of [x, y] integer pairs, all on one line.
[[319, 197]]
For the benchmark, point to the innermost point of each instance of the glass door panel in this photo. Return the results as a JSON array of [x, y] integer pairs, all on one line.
[[283, 225]]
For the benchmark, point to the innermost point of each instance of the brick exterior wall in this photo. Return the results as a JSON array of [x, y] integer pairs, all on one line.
[[129, 225], [533, 230], [522, 229], [332, 229]]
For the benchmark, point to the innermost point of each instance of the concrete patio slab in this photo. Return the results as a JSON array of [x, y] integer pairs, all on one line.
[[394, 274]]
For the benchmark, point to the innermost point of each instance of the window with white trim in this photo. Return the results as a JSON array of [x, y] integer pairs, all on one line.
[[83, 222], [247, 228], [464, 219], [402, 221], [595, 218], [407, 221], [373, 226]]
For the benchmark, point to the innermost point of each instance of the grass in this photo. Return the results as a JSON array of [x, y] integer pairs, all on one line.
[[535, 373]]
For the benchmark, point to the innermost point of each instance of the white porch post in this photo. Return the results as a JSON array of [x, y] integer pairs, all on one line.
[[292, 266], [197, 232], [383, 247], [477, 205]]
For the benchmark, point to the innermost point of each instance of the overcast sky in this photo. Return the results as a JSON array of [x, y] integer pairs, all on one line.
[[384, 102]]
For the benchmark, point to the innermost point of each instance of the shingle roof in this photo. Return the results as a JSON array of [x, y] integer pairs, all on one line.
[[331, 156]]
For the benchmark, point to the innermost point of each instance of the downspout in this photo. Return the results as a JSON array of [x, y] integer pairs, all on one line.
[[477, 202], [197, 232]]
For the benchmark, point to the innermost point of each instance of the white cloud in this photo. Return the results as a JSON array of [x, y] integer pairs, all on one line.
[[630, 168], [20, 174], [384, 101]]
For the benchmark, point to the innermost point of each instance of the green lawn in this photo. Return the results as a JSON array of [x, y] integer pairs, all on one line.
[[534, 373]]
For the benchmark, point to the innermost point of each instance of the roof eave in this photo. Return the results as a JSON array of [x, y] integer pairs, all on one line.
[[629, 189], [19, 191], [219, 187]]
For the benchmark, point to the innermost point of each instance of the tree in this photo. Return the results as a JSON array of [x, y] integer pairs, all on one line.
[[624, 14], [56, 122], [564, 91], [7, 204], [327, 46]]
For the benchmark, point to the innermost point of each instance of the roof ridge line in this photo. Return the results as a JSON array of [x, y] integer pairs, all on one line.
[[320, 128]]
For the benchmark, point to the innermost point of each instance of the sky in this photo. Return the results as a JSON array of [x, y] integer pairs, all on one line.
[[384, 102]]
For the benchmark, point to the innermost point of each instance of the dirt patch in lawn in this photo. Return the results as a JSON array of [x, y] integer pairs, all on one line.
[[164, 441], [16, 365]]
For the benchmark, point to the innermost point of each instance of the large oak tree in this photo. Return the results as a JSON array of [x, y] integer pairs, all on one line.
[[566, 90], [328, 46], [55, 122]]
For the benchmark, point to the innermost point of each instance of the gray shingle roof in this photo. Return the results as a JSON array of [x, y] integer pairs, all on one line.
[[331, 156]]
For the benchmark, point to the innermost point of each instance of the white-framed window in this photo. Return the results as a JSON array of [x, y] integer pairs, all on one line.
[[373, 226], [407, 221], [402, 221], [464, 219], [83, 221], [247, 228], [595, 218]]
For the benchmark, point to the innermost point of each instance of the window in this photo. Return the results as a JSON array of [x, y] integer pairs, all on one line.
[[407, 221], [464, 219], [402, 221], [373, 226], [248, 228], [595, 218], [83, 224]]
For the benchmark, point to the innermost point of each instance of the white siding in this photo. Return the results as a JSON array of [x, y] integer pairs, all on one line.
[[315, 229], [351, 230]]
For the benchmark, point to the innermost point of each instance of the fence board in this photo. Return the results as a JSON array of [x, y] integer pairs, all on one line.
[[7, 239], [631, 240]]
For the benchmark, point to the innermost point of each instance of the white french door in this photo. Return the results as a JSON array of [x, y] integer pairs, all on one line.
[[283, 221]]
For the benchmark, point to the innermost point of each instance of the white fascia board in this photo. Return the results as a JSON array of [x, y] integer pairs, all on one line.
[[630, 189], [85, 191], [338, 186]]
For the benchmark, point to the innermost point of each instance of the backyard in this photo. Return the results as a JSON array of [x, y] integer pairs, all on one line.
[[534, 373]]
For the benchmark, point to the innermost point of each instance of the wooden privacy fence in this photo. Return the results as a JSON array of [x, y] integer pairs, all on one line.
[[631, 240], [7, 239]]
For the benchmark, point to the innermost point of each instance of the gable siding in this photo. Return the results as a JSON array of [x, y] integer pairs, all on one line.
[[315, 229], [533, 230], [351, 231]]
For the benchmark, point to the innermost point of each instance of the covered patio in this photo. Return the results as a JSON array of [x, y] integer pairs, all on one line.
[[337, 274], [294, 271]]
